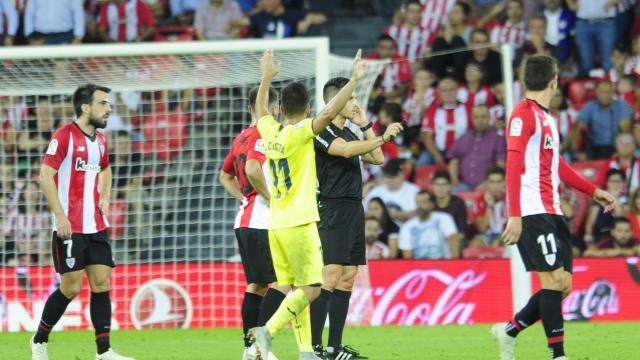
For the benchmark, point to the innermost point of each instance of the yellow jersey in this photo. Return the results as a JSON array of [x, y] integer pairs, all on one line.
[[292, 166]]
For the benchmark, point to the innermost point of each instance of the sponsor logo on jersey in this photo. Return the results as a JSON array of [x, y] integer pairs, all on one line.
[[81, 149], [81, 165], [516, 127], [53, 147], [548, 142], [161, 303]]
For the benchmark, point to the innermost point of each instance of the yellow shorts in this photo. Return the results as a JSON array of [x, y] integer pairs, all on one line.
[[297, 255]]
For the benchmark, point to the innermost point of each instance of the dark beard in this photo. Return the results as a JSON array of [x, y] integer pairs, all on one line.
[[96, 123]]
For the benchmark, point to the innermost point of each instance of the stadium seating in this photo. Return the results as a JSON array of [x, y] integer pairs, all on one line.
[[423, 175], [475, 204], [589, 169], [175, 33], [581, 92], [158, 127], [484, 252]]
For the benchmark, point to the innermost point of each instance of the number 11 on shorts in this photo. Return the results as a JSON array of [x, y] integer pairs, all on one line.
[[543, 244]]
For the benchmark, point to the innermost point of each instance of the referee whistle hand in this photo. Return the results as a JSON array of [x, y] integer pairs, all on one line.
[[63, 227], [392, 131], [512, 232], [605, 199]]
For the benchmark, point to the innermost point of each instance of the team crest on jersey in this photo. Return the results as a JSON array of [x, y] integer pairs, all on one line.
[[70, 262], [259, 147], [516, 127], [548, 142], [53, 147], [550, 259]]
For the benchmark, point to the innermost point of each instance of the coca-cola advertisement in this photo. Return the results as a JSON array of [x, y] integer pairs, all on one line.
[[604, 289]]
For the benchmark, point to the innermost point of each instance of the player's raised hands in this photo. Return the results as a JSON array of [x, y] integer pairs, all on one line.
[[605, 199], [392, 131], [512, 232], [268, 65], [359, 67]]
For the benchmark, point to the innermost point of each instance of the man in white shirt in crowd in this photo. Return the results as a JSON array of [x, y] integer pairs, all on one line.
[[398, 194]]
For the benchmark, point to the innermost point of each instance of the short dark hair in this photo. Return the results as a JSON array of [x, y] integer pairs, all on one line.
[[539, 70], [466, 9], [332, 87], [495, 170], [385, 37], [479, 31], [441, 174], [620, 220], [253, 96], [429, 193], [448, 77], [613, 172], [394, 110], [414, 2], [295, 98], [84, 95]]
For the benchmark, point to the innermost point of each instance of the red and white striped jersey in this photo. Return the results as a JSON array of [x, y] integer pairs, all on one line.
[[411, 43], [79, 158], [396, 73], [447, 123], [534, 133], [434, 13], [414, 107], [564, 121], [480, 97], [254, 209], [509, 33]]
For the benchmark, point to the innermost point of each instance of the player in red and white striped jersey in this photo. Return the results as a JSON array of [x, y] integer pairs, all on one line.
[[445, 123], [514, 30], [535, 169], [434, 13], [76, 181], [420, 98], [245, 176], [412, 40], [395, 77]]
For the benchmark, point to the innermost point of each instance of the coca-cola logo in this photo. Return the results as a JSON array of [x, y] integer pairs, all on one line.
[[161, 303], [601, 298], [412, 298]]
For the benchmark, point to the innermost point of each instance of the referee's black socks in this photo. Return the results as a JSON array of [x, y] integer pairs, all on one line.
[[250, 311], [100, 309], [319, 309], [53, 309], [338, 309]]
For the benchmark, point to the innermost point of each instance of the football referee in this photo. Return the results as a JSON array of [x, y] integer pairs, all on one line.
[[341, 227]]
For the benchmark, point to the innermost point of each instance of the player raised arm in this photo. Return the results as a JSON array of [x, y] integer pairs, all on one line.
[[333, 108], [269, 70]]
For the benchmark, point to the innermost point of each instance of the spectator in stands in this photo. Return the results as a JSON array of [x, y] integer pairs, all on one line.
[[8, 9], [277, 22], [536, 42], [619, 58], [634, 212], [420, 98], [624, 159], [449, 203], [376, 249], [217, 19], [560, 24], [126, 166], [390, 113], [496, 112], [488, 59], [595, 27], [598, 222], [430, 234], [8, 193], [626, 90], [126, 21], [620, 243], [455, 34], [434, 13], [397, 193], [564, 116], [604, 119], [34, 138], [514, 29], [183, 10], [55, 22], [474, 92], [412, 40], [475, 152], [395, 77], [493, 217], [388, 228], [444, 124]]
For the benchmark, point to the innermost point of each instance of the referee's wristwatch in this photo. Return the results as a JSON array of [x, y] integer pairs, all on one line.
[[366, 127]]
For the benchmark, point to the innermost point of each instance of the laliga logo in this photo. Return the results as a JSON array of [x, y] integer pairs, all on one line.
[[161, 303]]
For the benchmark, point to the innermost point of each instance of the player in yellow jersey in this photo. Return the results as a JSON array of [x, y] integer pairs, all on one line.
[[293, 235]]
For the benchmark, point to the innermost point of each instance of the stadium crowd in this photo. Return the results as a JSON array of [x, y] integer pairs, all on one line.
[[452, 105]]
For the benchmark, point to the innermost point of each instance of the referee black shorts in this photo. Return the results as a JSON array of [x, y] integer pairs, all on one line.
[[256, 255], [545, 243], [341, 230]]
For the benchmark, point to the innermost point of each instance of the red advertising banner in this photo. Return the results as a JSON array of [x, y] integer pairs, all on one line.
[[398, 292], [604, 289]]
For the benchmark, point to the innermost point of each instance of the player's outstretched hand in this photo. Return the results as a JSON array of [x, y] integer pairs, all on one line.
[[392, 131], [606, 200], [512, 232], [63, 227], [268, 65], [359, 67]]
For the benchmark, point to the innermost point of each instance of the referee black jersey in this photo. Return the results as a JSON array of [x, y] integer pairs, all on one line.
[[338, 177]]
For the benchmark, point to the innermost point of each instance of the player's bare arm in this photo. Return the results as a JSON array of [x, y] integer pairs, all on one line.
[[230, 184], [105, 180], [269, 69], [256, 178], [50, 190], [333, 108]]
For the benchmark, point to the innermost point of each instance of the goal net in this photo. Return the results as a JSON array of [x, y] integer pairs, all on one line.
[[176, 109]]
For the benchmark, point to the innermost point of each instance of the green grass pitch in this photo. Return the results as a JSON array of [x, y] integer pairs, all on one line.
[[583, 341]]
